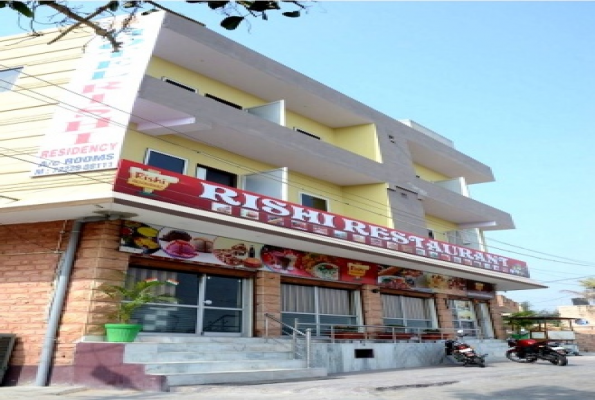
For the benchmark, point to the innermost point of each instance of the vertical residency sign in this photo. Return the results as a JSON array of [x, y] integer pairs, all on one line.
[[88, 127]]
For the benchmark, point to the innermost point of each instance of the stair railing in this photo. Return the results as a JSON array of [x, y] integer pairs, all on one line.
[[296, 336]]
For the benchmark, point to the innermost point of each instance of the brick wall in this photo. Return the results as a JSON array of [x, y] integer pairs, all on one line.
[[29, 259], [585, 339], [98, 261], [503, 304], [497, 321]]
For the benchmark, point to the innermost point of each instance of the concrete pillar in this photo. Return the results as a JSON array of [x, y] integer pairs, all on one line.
[[267, 297], [443, 311], [497, 322], [371, 305]]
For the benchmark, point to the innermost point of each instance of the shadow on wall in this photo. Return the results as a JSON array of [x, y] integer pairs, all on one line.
[[101, 365]]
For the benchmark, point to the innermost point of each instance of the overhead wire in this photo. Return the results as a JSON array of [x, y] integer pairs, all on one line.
[[90, 114], [240, 166]]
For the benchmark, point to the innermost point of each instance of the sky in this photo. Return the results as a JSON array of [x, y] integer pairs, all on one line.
[[510, 83]]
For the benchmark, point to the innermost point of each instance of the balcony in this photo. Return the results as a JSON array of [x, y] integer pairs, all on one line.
[[162, 109], [457, 208]]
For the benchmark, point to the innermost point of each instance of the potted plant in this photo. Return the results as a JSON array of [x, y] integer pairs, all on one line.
[[129, 297], [398, 332], [346, 332]]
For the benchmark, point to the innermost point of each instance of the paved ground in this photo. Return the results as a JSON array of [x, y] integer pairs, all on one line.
[[502, 380]]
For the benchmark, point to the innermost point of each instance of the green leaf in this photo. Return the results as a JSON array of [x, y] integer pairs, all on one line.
[[21, 8], [113, 5], [292, 14], [213, 5], [231, 23], [260, 6]]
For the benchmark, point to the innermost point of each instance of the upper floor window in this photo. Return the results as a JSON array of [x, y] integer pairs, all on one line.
[[220, 100], [8, 77], [216, 175], [306, 133], [165, 161], [178, 84], [314, 202]]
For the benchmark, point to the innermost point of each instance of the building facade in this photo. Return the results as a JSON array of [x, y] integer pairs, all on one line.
[[247, 186]]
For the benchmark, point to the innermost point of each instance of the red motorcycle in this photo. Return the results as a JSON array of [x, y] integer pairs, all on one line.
[[463, 353], [530, 350]]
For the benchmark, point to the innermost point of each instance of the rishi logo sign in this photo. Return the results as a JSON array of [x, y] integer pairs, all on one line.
[[90, 122]]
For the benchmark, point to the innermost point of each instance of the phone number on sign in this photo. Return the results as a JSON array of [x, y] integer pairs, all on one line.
[[85, 167]]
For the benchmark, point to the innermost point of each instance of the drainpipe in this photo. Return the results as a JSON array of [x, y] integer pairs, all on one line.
[[57, 304]]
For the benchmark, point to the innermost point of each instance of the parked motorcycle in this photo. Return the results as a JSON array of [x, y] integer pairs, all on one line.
[[463, 353], [531, 350]]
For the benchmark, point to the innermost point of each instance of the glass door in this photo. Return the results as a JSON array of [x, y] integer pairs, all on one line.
[[463, 316], [220, 306], [207, 305]]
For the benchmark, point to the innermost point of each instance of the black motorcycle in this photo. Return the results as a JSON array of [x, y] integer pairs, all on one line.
[[463, 353], [530, 350]]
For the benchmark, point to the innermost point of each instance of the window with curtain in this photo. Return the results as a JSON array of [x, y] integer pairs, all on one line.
[[407, 311], [317, 307]]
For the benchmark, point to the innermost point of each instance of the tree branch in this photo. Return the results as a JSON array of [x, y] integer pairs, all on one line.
[[85, 21]]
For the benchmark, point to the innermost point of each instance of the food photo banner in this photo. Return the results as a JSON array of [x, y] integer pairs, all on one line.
[[162, 185], [177, 244], [419, 281], [164, 242]]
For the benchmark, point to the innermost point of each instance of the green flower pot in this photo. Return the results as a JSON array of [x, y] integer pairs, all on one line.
[[122, 332]]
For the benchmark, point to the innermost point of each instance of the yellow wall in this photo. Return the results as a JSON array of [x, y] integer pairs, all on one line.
[[429, 175], [159, 68], [366, 202], [440, 227], [322, 131], [369, 203], [136, 145], [361, 139], [357, 139], [26, 112], [299, 183]]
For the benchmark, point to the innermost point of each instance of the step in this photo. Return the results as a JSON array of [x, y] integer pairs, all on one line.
[[140, 357], [195, 367], [230, 377], [142, 349]]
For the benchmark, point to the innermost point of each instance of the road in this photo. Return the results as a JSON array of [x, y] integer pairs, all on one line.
[[501, 380]]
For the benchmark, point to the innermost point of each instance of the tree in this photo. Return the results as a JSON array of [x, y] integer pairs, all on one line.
[[71, 14], [516, 321], [588, 293]]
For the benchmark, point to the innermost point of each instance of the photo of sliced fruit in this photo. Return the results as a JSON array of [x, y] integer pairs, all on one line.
[[140, 237]]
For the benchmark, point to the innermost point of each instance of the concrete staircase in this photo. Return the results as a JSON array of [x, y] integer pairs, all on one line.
[[189, 361]]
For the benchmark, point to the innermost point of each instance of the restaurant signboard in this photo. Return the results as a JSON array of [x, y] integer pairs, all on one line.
[[166, 186]]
